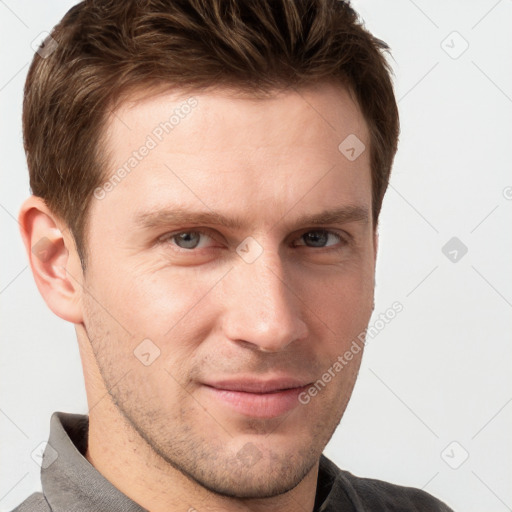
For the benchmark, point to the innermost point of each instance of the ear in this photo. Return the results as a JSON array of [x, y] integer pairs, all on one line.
[[53, 259]]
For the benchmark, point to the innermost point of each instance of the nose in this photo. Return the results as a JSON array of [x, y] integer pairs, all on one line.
[[262, 310]]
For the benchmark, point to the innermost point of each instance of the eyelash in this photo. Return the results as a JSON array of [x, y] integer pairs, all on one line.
[[169, 236], [164, 239]]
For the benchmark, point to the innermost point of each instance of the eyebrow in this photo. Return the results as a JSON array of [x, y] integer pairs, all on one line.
[[159, 218]]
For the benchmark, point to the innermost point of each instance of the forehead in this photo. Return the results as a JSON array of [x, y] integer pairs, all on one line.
[[232, 152], [324, 107]]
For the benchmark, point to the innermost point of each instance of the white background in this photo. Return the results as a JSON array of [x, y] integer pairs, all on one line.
[[440, 371]]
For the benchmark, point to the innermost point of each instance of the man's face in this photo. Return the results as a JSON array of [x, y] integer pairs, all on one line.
[[208, 345]]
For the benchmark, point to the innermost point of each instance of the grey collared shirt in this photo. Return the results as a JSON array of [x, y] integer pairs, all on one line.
[[71, 484]]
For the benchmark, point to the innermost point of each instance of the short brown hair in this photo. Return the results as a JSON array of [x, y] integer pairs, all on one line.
[[105, 48]]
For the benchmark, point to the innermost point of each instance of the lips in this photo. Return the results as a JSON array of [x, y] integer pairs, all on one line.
[[256, 398], [257, 386]]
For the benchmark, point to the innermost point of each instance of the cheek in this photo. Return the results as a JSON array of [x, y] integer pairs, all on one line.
[[158, 304], [342, 299], [128, 318], [137, 362]]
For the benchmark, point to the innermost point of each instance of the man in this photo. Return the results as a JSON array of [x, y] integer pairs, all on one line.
[[207, 179]]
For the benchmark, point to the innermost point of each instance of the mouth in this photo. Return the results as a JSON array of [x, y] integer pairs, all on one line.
[[257, 398]]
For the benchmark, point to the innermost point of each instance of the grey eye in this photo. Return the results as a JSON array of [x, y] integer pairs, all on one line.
[[187, 239], [315, 238]]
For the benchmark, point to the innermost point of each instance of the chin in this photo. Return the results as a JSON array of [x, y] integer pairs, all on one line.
[[258, 479]]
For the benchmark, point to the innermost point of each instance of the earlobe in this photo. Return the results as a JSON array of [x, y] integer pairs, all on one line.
[[53, 259]]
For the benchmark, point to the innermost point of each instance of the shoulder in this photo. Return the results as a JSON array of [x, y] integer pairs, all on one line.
[[380, 495], [372, 494], [34, 503]]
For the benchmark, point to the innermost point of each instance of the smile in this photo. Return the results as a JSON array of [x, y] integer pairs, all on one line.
[[257, 399]]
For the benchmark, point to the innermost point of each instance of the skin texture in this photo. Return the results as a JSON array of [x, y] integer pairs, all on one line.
[[157, 431]]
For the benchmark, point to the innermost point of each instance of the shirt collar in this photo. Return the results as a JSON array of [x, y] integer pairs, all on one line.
[[69, 480]]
